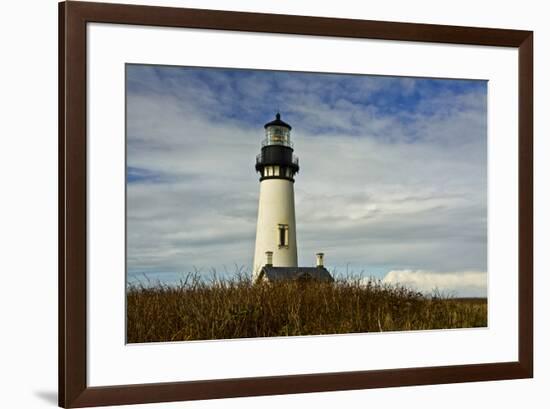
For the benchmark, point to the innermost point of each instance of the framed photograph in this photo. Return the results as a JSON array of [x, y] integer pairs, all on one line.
[[255, 204]]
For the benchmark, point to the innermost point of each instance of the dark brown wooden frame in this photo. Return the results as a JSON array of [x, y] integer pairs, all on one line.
[[73, 388]]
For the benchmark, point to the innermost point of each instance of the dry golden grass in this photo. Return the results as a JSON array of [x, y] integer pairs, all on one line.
[[224, 309]]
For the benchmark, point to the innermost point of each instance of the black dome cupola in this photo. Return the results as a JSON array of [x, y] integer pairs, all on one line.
[[277, 160], [278, 122]]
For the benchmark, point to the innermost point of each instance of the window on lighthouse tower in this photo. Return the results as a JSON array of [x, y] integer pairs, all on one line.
[[283, 235]]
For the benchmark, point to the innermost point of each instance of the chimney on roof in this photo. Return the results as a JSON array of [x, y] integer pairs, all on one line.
[[320, 259], [269, 256]]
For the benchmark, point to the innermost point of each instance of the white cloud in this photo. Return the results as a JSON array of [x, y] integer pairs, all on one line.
[[465, 283]]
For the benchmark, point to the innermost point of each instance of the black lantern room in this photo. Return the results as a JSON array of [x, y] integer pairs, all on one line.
[[277, 159]]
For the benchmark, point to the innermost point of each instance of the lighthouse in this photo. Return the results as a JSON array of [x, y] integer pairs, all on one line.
[[276, 230]]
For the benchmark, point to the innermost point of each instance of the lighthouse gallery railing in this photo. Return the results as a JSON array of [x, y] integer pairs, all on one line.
[[260, 159]]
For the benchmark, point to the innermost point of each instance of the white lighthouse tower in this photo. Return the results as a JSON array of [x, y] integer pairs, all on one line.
[[276, 230]]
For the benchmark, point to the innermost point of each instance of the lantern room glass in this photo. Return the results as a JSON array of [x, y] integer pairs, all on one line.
[[277, 135]]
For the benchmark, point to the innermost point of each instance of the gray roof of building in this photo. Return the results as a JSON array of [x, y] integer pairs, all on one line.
[[293, 273]]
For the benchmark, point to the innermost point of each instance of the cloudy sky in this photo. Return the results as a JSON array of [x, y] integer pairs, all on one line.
[[392, 180]]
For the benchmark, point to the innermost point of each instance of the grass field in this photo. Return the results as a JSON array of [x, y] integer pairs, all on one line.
[[224, 309]]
